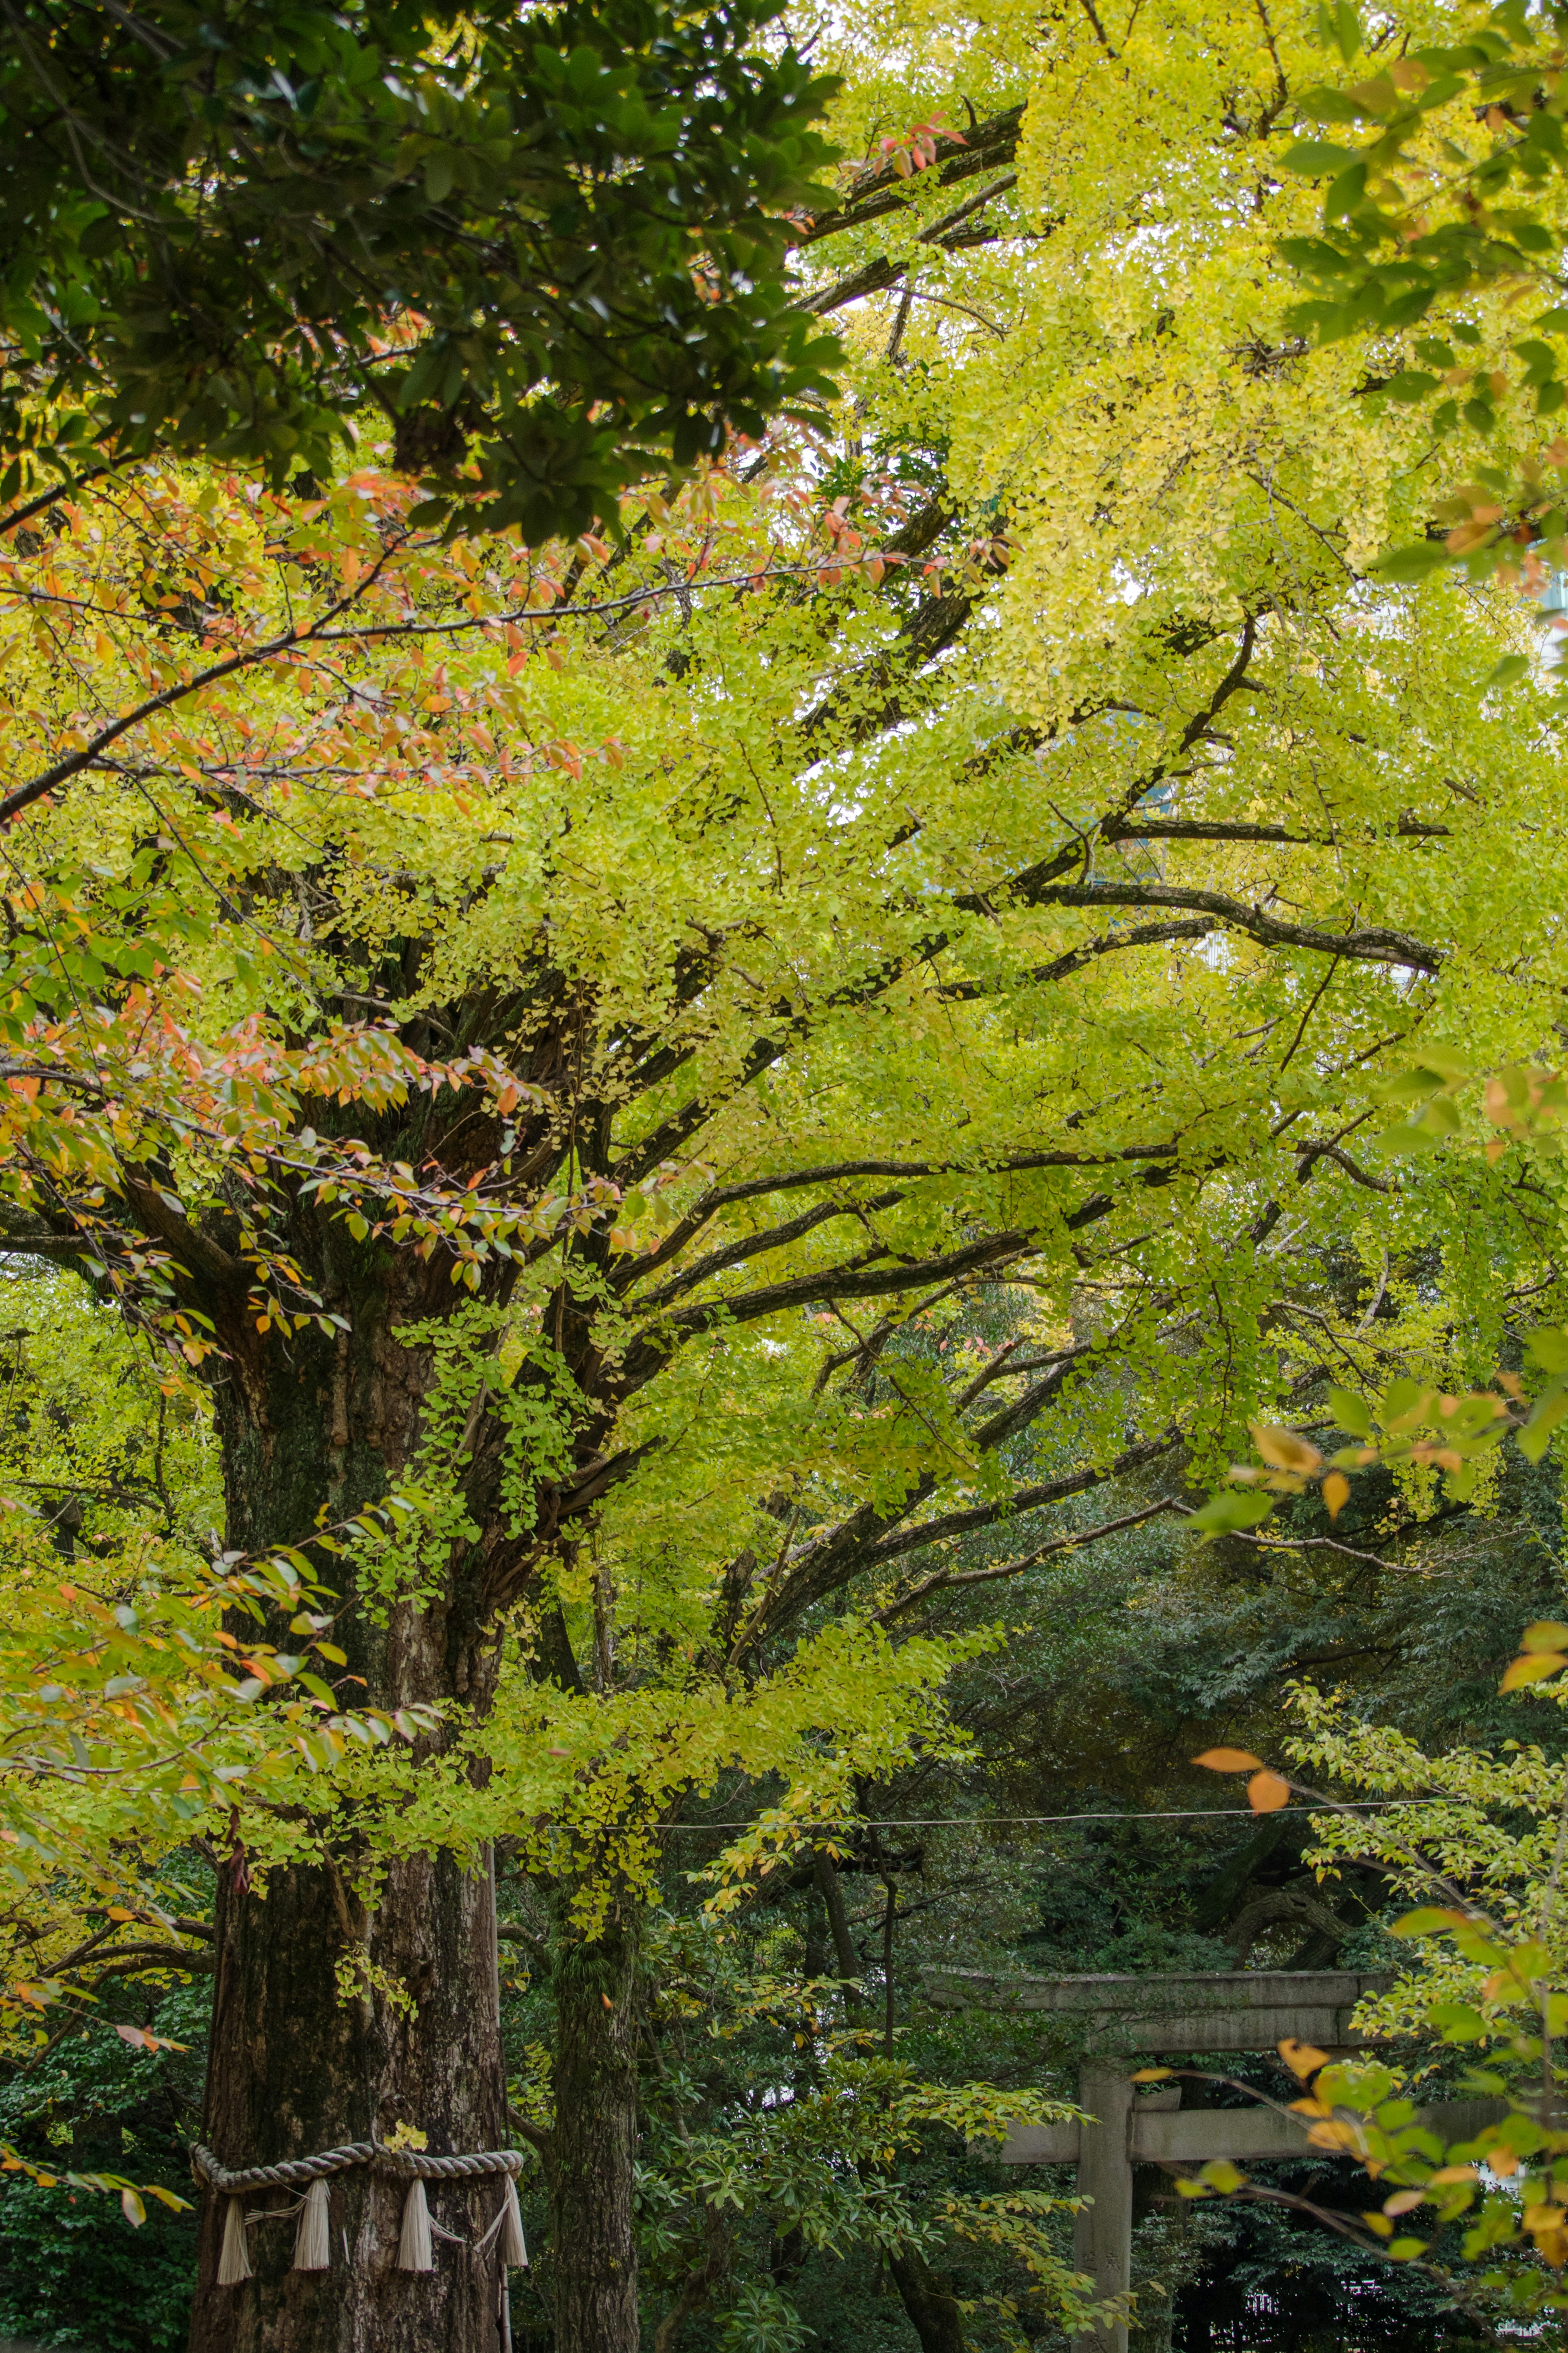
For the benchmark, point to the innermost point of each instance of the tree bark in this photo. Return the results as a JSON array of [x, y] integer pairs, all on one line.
[[847, 1959], [593, 2263], [929, 2303], [296, 2066], [339, 2011]]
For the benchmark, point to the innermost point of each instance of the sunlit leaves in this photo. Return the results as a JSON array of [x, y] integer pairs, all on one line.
[[1450, 199], [1410, 1425]]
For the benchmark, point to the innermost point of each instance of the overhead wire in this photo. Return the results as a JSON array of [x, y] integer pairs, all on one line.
[[1030, 1822]]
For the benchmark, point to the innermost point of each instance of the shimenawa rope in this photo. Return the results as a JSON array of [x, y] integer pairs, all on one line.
[[312, 2238]]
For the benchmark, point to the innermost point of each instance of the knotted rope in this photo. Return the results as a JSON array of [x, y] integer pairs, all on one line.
[[312, 2250]]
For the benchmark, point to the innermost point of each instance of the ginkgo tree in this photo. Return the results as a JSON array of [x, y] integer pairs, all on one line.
[[556, 1040]]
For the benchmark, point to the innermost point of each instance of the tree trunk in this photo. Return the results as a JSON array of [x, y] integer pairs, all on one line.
[[930, 2302], [341, 2013], [847, 1959], [296, 2067], [593, 2263]]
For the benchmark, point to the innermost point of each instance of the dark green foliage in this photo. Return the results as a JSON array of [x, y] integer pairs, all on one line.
[[73, 2271], [545, 249], [1274, 2281]]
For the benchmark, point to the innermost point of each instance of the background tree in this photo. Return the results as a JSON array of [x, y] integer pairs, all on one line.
[[544, 249]]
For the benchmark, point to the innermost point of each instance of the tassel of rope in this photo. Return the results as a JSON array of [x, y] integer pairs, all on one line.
[[413, 2253], [234, 2262], [513, 2247], [312, 2240]]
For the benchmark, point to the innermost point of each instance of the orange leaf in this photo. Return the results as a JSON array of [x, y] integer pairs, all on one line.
[[1229, 1760], [1336, 1492], [1303, 2059], [1534, 1667], [1267, 1793], [1282, 1449]]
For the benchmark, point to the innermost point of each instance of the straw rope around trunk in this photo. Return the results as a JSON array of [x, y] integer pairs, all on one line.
[[312, 2241]]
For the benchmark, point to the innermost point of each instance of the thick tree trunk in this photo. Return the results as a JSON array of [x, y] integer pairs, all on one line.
[[594, 2264], [300, 2060], [340, 2012]]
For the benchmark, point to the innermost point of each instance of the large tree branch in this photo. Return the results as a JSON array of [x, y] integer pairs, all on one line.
[[827, 1563], [1140, 935], [749, 1246], [1372, 945], [1138, 827], [946, 235], [883, 189], [703, 1211], [866, 1277], [865, 1541], [946, 1579], [61, 772], [936, 619], [900, 1540]]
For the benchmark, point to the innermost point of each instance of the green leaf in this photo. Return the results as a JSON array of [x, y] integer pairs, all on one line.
[[1232, 1508], [1456, 2021], [1427, 1920], [1507, 672], [1318, 159], [1536, 1435], [1344, 195], [1326, 105], [1405, 565], [1350, 1412], [1547, 1347], [1410, 385], [1338, 28], [1401, 1398]]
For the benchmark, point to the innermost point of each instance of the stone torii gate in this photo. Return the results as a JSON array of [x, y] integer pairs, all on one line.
[[1119, 2021]]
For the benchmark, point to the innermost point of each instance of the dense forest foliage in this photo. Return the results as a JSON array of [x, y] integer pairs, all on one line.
[[717, 1233]]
